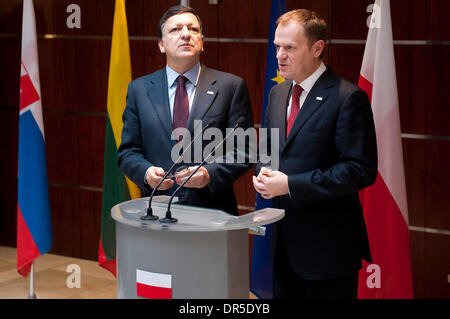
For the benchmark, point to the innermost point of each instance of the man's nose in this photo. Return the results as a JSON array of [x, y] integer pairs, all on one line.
[[185, 32], [280, 54]]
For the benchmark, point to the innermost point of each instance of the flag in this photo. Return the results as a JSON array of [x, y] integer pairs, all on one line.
[[34, 224], [116, 187], [261, 268], [152, 285], [384, 203]]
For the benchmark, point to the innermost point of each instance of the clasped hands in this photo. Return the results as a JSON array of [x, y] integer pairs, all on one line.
[[199, 180], [271, 183]]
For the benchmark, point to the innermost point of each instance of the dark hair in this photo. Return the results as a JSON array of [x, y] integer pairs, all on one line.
[[174, 11]]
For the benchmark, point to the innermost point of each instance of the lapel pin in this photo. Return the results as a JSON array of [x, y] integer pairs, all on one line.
[[210, 92], [319, 98]]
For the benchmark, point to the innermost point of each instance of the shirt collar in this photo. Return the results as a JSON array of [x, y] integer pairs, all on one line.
[[309, 82], [191, 75]]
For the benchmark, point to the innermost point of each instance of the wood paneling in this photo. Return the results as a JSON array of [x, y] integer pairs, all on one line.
[[10, 71], [9, 135], [8, 211], [92, 74], [437, 181], [90, 211], [414, 157], [91, 141], [66, 222], [62, 147], [437, 261], [58, 71], [74, 72]]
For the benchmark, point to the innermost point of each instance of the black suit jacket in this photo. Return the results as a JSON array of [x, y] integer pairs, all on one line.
[[329, 156], [147, 128]]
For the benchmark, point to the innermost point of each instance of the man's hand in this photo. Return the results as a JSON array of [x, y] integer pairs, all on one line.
[[199, 180], [154, 175], [271, 183]]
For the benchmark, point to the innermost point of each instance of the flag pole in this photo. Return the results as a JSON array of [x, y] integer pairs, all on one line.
[[31, 294]]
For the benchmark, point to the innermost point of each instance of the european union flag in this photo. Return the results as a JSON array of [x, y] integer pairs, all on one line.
[[261, 272]]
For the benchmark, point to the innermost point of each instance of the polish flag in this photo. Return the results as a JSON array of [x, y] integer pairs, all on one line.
[[152, 285], [384, 203]]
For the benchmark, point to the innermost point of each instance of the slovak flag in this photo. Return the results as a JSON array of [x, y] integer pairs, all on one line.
[[153, 285], [34, 229]]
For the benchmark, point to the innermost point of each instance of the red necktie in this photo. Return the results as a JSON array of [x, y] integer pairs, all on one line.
[[295, 107], [181, 104]]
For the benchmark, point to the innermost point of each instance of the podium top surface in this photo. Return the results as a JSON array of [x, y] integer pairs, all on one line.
[[190, 218]]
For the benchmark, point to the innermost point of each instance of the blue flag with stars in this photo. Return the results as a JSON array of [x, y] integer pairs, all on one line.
[[261, 271]]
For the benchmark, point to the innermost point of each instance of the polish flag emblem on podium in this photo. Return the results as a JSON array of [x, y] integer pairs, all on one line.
[[152, 285]]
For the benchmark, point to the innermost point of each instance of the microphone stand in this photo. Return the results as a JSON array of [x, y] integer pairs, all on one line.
[[149, 215], [169, 218]]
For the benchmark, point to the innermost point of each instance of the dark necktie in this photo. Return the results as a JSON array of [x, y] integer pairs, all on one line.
[[295, 107], [181, 104]]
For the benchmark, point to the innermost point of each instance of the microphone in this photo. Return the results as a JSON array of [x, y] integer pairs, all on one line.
[[169, 218], [149, 215]]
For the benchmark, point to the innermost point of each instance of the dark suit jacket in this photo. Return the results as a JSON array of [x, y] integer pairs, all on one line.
[[329, 156], [147, 128]]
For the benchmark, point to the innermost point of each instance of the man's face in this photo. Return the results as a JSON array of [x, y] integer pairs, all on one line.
[[181, 39], [296, 59]]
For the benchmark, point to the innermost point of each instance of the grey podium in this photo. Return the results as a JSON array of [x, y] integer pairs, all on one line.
[[203, 255]]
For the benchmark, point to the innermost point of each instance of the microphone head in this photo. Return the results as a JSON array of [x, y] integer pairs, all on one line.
[[241, 121], [211, 122]]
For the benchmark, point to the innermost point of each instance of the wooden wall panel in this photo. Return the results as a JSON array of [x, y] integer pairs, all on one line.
[[341, 60], [417, 240], [91, 141], [62, 147], [245, 23], [10, 71], [437, 261], [89, 213], [92, 74], [9, 135], [437, 179], [8, 211], [414, 157], [74, 70], [57, 72], [66, 223], [253, 70]]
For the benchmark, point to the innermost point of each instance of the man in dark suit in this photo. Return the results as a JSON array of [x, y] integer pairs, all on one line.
[[327, 153], [173, 97]]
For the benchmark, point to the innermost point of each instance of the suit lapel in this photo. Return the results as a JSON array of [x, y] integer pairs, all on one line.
[[316, 97], [157, 91], [205, 93]]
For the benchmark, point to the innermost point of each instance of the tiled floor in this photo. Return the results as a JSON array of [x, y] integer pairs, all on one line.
[[50, 278]]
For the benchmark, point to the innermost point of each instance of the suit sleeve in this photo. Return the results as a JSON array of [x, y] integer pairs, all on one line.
[[356, 167], [224, 174], [131, 158]]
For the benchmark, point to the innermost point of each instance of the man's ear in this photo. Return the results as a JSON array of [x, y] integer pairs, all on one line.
[[318, 48], [161, 47]]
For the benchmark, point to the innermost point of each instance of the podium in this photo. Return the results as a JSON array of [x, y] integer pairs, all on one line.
[[203, 255]]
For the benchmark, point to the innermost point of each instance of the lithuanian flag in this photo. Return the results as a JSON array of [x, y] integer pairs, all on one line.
[[116, 187]]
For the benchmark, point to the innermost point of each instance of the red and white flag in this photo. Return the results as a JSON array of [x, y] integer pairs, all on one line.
[[153, 285], [384, 203]]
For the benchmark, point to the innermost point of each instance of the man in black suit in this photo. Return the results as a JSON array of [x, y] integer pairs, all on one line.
[[173, 97], [327, 153]]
